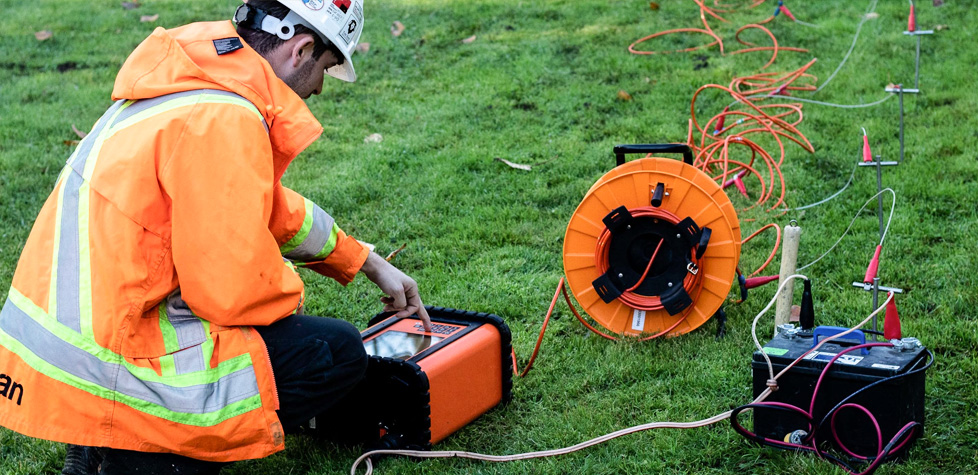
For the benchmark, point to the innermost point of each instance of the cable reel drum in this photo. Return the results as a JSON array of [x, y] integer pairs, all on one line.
[[654, 245]]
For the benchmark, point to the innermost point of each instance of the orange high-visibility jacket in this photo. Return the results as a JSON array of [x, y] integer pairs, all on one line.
[[128, 321]]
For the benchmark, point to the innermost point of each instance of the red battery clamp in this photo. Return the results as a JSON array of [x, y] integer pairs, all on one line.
[[423, 386]]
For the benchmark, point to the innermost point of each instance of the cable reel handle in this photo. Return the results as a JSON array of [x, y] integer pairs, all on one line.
[[621, 150]]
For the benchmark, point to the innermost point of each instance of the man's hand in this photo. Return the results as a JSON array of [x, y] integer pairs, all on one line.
[[402, 291]]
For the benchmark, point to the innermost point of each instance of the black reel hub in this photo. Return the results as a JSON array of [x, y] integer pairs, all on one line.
[[632, 245]]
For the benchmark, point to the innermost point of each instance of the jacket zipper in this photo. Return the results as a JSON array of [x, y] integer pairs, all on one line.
[[271, 371]]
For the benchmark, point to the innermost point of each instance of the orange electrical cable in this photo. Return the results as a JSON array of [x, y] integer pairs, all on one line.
[[778, 120], [647, 267], [543, 328], [707, 30], [561, 288], [777, 244]]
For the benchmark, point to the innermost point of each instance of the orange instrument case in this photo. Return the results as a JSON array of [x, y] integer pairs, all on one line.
[[424, 386]]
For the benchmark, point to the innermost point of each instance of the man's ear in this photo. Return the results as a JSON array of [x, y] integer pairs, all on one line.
[[302, 47]]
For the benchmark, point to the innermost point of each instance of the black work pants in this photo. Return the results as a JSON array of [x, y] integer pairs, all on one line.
[[316, 360]]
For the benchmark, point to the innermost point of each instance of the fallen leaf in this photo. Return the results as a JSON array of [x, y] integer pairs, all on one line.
[[514, 165], [872, 15], [469, 39], [149, 18], [941, 27], [397, 28], [624, 95], [395, 252], [130, 5], [375, 138], [71, 143], [43, 35], [363, 47], [79, 133], [653, 5]]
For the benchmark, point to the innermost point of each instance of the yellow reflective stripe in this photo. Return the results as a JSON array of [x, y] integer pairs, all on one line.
[[167, 366], [183, 102], [330, 244], [62, 182], [84, 252], [208, 345], [170, 342], [89, 346], [303, 232], [85, 260], [200, 419], [97, 146], [53, 283]]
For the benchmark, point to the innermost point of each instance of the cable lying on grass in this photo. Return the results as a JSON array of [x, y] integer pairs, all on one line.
[[366, 458]]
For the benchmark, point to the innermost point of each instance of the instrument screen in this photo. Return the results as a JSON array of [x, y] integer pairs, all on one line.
[[399, 345]]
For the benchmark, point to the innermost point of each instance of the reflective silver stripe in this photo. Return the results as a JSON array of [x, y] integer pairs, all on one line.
[[189, 360], [70, 278], [322, 228], [68, 304], [190, 334], [195, 399], [188, 327], [145, 104], [69, 300], [80, 156]]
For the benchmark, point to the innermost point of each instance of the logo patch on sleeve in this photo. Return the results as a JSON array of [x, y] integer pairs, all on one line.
[[227, 45]]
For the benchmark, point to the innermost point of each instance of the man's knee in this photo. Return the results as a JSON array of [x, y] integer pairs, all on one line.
[[350, 352]]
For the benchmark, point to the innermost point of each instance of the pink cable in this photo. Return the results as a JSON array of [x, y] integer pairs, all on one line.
[[838, 441], [811, 409]]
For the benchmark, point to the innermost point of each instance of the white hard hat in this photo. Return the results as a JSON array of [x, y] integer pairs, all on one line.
[[339, 22]]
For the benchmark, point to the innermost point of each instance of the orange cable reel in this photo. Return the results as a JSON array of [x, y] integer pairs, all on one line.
[[653, 247]]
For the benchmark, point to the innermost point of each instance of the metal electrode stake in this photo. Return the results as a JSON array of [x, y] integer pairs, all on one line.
[[876, 303], [917, 33], [901, 125], [875, 285], [916, 76], [916, 83], [900, 90], [879, 192], [789, 264]]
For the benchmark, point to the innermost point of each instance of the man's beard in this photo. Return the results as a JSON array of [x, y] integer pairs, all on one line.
[[296, 79]]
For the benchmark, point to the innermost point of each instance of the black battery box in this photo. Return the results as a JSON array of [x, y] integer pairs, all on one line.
[[893, 402]]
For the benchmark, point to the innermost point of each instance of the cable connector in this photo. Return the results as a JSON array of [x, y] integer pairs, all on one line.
[[911, 21], [733, 180], [796, 437], [742, 283], [891, 322], [874, 264], [806, 318], [787, 12], [759, 281], [741, 187], [867, 153], [721, 120]]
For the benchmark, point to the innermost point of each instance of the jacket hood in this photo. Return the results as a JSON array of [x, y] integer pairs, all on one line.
[[186, 58]]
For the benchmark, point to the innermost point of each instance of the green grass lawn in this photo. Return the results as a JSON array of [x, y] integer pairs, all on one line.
[[539, 85]]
